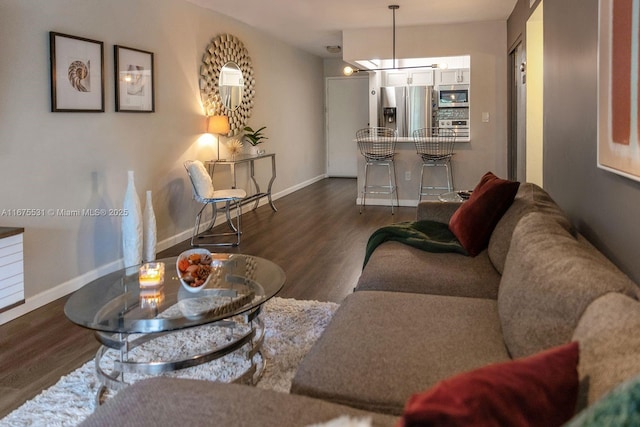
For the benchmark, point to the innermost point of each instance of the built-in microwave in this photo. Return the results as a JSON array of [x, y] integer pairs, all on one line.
[[453, 96]]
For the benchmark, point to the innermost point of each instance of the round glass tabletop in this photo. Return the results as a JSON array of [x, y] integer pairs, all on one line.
[[117, 302]]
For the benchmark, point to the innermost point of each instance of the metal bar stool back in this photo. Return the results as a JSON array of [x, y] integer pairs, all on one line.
[[435, 148], [377, 145]]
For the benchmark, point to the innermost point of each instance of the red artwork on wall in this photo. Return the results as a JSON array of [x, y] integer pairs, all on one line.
[[619, 87]]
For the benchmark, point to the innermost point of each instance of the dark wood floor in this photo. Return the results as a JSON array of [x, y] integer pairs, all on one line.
[[317, 236]]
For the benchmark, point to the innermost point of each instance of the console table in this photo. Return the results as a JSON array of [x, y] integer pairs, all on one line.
[[211, 165]]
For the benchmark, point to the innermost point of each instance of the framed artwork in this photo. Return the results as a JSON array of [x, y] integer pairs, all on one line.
[[619, 88], [134, 80], [77, 74]]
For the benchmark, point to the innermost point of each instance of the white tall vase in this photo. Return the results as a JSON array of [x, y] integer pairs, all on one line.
[[131, 225], [150, 230]]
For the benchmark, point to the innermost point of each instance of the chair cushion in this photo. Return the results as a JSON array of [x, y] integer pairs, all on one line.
[[539, 390], [474, 222], [429, 273], [201, 179], [382, 347]]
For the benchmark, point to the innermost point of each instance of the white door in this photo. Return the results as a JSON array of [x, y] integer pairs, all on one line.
[[347, 110]]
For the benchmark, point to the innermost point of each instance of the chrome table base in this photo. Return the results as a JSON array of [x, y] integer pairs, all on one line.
[[116, 378]]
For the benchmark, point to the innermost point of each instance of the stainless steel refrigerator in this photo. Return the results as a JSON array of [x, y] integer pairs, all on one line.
[[406, 108]]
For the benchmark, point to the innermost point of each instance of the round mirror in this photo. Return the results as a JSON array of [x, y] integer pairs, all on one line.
[[230, 86], [227, 84]]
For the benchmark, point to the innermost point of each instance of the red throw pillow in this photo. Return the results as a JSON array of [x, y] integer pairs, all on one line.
[[475, 220], [539, 390]]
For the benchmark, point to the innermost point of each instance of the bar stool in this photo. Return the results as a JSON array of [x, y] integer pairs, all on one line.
[[435, 148], [377, 145]]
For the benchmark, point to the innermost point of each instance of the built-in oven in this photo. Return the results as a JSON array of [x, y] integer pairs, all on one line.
[[453, 96], [460, 127]]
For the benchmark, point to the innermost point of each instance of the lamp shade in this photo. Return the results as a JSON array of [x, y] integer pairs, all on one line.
[[218, 125]]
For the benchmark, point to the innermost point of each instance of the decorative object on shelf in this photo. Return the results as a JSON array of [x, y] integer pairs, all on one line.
[[218, 125], [234, 146], [227, 82], [134, 80], [150, 238], [255, 137], [131, 225], [77, 74]]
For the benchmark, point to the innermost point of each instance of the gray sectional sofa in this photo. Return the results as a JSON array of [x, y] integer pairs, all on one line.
[[416, 318]]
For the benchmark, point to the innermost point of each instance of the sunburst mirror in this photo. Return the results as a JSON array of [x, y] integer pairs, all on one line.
[[227, 82]]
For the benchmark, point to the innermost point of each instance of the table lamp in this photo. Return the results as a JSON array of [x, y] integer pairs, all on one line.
[[218, 125]]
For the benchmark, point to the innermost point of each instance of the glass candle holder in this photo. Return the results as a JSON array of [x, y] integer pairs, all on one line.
[[151, 274]]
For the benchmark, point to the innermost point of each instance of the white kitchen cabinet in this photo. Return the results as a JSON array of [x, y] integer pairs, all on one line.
[[394, 78], [453, 76], [408, 77], [421, 78], [11, 268]]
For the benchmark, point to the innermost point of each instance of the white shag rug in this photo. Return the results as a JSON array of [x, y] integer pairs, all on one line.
[[291, 328]]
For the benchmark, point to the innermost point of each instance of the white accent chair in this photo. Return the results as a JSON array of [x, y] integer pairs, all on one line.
[[203, 192]]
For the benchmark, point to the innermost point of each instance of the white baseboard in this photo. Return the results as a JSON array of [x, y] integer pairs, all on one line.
[[72, 285], [59, 291]]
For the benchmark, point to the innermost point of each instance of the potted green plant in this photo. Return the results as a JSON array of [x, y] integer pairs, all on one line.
[[255, 137]]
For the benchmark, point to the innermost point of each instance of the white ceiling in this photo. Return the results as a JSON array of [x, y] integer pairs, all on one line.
[[314, 24]]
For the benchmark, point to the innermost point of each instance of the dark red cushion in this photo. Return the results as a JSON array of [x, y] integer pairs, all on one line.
[[539, 390], [475, 220]]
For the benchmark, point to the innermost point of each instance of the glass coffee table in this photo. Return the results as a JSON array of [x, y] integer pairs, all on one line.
[[126, 315]]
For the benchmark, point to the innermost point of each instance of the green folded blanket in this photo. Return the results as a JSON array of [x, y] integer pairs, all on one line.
[[430, 236]]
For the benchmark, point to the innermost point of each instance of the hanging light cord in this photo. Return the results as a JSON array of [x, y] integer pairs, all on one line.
[[394, 7], [349, 70]]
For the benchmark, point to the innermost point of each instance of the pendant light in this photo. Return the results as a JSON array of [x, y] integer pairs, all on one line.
[[349, 70]]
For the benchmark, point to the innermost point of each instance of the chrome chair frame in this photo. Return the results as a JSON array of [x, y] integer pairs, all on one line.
[[231, 198], [377, 145], [435, 148]]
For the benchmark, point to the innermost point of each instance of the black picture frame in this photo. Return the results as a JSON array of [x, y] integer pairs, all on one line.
[[77, 73], [135, 81]]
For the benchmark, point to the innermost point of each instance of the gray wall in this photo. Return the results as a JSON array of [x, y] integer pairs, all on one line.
[[605, 207], [80, 160]]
